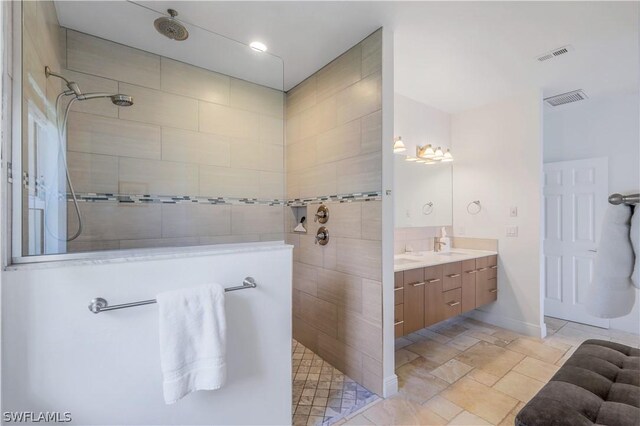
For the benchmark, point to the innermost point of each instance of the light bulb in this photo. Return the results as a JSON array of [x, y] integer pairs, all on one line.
[[439, 155], [447, 157], [429, 153], [398, 145]]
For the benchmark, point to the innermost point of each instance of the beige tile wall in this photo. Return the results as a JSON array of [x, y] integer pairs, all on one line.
[[333, 146], [190, 132], [334, 126]]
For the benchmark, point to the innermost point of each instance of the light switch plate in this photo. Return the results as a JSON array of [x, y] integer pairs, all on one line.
[[512, 231], [513, 211]]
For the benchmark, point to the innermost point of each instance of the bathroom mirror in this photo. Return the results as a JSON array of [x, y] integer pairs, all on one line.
[[423, 193]]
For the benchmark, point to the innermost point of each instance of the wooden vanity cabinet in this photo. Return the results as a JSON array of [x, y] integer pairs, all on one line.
[[414, 284], [426, 296]]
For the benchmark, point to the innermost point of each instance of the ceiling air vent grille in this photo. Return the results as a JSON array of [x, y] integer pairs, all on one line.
[[554, 53], [566, 98]]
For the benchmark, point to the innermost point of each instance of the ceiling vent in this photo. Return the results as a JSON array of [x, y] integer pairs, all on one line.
[[566, 98], [554, 53]]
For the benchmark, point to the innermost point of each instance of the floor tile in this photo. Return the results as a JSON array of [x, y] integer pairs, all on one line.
[[467, 419], [483, 377], [433, 335], [519, 386], [490, 358], [480, 400], [399, 411], [536, 350], [443, 407], [433, 351], [462, 342], [404, 356], [401, 342], [452, 370], [536, 369]]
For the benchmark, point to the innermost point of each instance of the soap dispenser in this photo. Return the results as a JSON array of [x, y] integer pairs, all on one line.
[[445, 242]]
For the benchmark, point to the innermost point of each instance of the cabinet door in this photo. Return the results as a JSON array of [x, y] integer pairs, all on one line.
[[399, 320], [398, 288], [413, 282], [452, 303], [486, 281], [468, 285], [452, 276], [434, 300]]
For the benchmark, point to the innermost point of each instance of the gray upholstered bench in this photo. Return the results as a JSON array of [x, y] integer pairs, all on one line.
[[599, 384]]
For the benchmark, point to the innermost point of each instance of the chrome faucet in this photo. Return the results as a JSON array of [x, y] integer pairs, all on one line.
[[437, 245]]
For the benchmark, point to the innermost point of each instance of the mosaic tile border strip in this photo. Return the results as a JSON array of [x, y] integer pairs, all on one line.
[[89, 197]]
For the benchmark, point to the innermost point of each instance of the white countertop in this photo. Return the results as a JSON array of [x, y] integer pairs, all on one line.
[[422, 259]]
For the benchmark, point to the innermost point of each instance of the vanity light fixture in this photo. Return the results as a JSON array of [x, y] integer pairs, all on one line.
[[427, 154], [408, 158], [258, 46], [398, 145]]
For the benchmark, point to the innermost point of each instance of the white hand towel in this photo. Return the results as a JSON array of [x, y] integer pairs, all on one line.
[[611, 294], [635, 242], [192, 340]]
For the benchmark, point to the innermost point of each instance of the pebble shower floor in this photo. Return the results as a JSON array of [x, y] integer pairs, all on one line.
[[322, 395]]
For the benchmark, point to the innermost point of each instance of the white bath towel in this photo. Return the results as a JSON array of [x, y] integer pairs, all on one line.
[[192, 340], [635, 242], [611, 294]]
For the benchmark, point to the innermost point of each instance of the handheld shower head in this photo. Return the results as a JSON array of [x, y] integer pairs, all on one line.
[[117, 99]]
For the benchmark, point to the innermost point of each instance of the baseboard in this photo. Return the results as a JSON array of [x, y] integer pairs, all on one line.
[[390, 386], [521, 327]]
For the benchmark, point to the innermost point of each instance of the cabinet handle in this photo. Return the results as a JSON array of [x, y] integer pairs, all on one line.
[[452, 304], [493, 290], [482, 269], [398, 288], [398, 323], [453, 275], [473, 271], [435, 280], [494, 267], [418, 284]]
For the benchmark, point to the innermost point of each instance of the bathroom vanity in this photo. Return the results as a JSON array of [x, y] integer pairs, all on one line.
[[431, 287]]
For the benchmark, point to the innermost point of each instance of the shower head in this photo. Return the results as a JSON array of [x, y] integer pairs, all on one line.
[[170, 27], [122, 100], [117, 99]]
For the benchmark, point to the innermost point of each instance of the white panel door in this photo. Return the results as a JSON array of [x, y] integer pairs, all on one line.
[[575, 198]]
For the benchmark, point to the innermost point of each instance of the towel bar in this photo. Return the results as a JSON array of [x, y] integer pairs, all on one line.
[[99, 304], [626, 199]]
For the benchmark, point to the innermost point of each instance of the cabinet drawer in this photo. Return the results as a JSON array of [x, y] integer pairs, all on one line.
[[452, 276], [413, 295], [492, 264], [434, 312], [398, 293], [468, 285], [398, 278], [452, 303], [399, 320]]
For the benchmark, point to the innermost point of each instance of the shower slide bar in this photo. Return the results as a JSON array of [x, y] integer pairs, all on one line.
[[99, 304], [626, 199]]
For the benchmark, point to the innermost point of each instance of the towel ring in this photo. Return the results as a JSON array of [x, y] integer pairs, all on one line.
[[429, 208], [474, 210]]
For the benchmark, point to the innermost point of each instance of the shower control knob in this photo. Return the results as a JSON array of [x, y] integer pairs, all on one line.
[[322, 236], [322, 215]]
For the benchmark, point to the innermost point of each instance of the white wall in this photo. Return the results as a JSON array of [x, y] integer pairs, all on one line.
[[105, 368], [604, 127], [498, 160]]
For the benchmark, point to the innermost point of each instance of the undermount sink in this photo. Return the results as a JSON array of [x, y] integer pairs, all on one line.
[[405, 261], [451, 253]]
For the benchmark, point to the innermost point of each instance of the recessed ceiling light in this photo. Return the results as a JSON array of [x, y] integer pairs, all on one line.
[[257, 46]]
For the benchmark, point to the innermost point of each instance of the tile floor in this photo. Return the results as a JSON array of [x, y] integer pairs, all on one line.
[[465, 372], [322, 395]]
